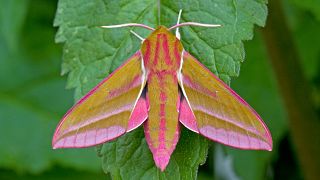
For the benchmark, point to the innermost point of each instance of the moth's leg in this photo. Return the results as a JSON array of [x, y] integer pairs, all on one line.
[[177, 30], [138, 36]]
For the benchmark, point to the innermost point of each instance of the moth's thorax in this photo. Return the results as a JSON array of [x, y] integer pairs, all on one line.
[[161, 50]]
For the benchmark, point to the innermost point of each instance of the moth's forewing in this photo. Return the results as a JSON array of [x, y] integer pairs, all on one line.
[[104, 113], [218, 112]]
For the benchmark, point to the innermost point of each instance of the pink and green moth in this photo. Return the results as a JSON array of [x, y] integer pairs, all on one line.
[[162, 87]]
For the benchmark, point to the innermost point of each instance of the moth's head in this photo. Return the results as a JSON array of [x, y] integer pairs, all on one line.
[[160, 37], [164, 47], [159, 31]]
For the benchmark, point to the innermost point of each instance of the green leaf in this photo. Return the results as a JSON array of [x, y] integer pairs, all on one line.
[[122, 157], [91, 53], [32, 93]]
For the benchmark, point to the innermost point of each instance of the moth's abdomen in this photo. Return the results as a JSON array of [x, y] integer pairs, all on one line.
[[162, 127]]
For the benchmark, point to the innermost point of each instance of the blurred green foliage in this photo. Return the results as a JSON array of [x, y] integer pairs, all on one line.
[[32, 93], [33, 96]]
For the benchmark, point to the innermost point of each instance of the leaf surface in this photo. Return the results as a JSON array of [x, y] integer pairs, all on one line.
[[91, 53]]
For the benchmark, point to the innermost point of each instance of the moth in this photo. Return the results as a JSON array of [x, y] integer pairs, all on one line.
[[162, 87]]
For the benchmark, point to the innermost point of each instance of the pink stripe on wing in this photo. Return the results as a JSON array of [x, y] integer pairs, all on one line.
[[138, 115], [219, 116], [84, 98], [186, 116], [136, 82], [99, 117], [90, 138], [188, 81], [268, 135], [244, 141]]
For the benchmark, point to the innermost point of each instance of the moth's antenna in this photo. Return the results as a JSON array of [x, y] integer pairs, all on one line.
[[129, 25], [194, 24], [177, 30], [137, 35]]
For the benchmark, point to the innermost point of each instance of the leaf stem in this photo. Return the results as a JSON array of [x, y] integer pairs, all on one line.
[[159, 12]]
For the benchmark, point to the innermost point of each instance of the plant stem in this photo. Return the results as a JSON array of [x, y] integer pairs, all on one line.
[[303, 122]]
